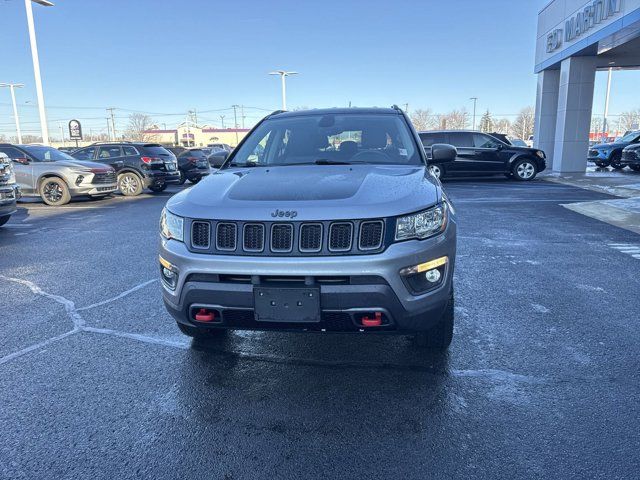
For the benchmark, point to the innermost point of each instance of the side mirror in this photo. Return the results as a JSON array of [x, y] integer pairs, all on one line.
[[217, 159], [22, 160], [442, 153]]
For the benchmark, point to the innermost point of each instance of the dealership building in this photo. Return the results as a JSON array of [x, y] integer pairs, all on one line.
[[575, 39]]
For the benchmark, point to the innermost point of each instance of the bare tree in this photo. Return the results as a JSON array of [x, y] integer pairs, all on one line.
[[455, 120], [425, 119], [502, 125], [138, 128], [486, 123], [523, 125], [31, 139], [629, 120]]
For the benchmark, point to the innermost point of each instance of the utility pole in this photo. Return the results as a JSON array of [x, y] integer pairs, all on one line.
[[12, 86], [606, 104], [113, 124], [61, 133], [222, 119], [188, 131], [406, 108], [475, 101], [108, 128], [242, 115], [36, 66], [235, 121]]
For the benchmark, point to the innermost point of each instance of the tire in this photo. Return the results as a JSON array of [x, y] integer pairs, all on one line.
[[202, 334], [54, 191], [635, 168], [525, 170], [183, 178], [129, 184], [436, 170], [615, 160], [195, 180], [158, 188], [439, 337], [4, 219]]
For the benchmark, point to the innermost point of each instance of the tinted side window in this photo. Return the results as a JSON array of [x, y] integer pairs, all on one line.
[[428, 139], [460, 139], [484, 141], [130, 151], [12, 152], [110, 152], [85, 154]]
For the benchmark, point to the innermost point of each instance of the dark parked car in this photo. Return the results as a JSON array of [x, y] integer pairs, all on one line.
[[67, 149], [223, 146], [631, 156], [482, 154], [138, 165], [610, 154], [193, 164]]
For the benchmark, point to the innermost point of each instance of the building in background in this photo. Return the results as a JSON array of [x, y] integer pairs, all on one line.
[[196, 136], [575, 39]]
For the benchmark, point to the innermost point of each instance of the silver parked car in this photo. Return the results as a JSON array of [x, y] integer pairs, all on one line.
[[334, 225], [55, 176], [9, 193]]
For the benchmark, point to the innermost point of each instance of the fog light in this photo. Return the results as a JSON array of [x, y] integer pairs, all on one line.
[[169, 274], [79, 179], [433, 275]]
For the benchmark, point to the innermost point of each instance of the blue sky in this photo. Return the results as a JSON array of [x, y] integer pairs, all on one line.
[[171, 56]]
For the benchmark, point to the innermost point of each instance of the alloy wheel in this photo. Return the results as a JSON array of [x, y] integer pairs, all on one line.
[[52, 192], [525, 170], [128, 184]]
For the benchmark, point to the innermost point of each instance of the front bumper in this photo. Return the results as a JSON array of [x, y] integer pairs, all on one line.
[[376, 286], [8, 197], [93, 189]]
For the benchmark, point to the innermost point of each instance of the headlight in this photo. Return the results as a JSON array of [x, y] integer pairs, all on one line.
[[423, 224], [541, 154], [12, 173], [171, 226]]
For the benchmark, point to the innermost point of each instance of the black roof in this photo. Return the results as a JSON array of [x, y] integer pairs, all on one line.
[[336, 111]]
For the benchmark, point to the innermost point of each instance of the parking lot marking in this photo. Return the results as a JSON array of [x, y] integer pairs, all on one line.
[[118, 297], [37, 346], [631, 249], [138, 337]]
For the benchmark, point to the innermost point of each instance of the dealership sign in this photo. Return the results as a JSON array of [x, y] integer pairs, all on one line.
[[586, 19]]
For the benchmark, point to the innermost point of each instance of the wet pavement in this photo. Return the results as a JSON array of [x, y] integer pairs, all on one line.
[[541, 380]]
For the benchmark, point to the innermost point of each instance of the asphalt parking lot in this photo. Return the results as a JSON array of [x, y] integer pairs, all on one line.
[[541, 380]]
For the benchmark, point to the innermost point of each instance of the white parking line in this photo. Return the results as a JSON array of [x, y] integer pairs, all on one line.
[[631, 249]]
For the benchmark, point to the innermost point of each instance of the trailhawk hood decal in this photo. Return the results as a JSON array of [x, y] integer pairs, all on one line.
[[308, 192]]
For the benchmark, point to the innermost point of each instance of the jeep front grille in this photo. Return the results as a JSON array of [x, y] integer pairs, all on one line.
[[226, 234], [281, 237], [340, 234], [310, 237], [253, 237], [200, 234], [370, 235], [316, 238]]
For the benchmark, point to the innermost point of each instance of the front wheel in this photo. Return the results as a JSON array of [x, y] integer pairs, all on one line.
[[158, 188], [439, 336], [54, 191], [182, 177], [4, 219], [436, 171], [525, 170], [130, 184], [635, 168], [616, 160]]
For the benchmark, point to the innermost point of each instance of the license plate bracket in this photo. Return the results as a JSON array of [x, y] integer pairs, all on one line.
[[287, 304]]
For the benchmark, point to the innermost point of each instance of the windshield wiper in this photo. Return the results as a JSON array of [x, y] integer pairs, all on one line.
[[324, 161], [242, 165]]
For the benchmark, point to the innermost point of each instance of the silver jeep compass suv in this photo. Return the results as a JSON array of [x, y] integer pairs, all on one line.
[[320, 220]]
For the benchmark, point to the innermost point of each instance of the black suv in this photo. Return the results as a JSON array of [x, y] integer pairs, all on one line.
[[610, 154], [138, 165], [193, 164], [482, 154]]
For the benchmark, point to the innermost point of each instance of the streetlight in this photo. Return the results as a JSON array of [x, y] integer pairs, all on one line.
[[475, 100], [12, 86], [283, 75], [36, 66]]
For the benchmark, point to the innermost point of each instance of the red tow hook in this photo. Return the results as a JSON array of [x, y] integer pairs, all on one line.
[[205, 315], [372, 322]]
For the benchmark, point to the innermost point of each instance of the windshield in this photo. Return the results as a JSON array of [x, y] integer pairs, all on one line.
[[47, 154], [630, 137], [328, 139]]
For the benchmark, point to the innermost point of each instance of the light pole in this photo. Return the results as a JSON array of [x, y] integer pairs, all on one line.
[[283, 75], [36, 66], [475, 101], [235, 120], [606, 104], [222, 120], [12, 86]]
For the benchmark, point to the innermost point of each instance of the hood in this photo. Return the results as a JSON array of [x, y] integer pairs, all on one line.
[[82, 164], [529, 150], [313, 192], [633, 146], [608, 146]]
